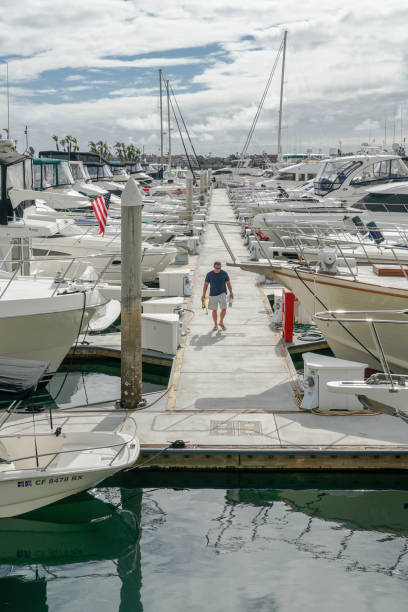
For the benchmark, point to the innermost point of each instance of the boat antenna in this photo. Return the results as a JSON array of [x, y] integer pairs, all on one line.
[[181, 135], [259, 109], [168, 126], [161, 113], [285, 34], [185, 127]]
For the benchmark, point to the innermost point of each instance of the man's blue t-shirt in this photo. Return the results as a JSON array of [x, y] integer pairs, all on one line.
[[217, 282]]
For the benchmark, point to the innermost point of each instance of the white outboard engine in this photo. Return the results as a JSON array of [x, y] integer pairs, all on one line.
[[328, 261]]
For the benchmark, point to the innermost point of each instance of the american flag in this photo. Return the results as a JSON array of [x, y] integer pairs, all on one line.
[[101, 213]]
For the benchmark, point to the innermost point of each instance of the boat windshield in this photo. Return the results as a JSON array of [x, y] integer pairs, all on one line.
[[19, 175], [64, 175], [99, 172], [333, 175], [382, 171], [131, 168], [52, 175], [80, 172], [119, 170]]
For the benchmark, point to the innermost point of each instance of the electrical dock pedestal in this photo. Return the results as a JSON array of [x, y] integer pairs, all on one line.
[[233, 401]]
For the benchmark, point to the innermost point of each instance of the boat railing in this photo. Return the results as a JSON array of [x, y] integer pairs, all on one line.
[[294, 236], [65, 420], [56, 454], [372, 318], [61, 277]]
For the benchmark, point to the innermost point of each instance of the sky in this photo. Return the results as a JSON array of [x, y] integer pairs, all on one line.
[[90, 69]]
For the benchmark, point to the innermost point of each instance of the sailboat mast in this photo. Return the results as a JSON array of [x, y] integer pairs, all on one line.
[[168, 124], [281, 97], [161, 114]]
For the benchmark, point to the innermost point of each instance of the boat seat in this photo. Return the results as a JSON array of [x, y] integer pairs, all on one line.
[[81, 457]]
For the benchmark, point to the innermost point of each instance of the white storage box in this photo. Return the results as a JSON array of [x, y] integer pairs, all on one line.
[[166, 305], [161, 332], [176, 282], [318, 371]]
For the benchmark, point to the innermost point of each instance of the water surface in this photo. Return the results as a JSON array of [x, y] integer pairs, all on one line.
[[161, 549]]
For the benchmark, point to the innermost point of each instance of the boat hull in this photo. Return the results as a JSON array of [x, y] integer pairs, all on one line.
[[44, 336], [352, 341], [24, 494]]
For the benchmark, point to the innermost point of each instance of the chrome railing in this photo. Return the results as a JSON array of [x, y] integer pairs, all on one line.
[[356, 316], [62, 277]]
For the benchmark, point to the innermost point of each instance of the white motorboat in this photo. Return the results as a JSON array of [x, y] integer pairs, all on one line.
[[155, 257], [335, 284], [40, 319], [98, 170], [39, 469], [42, 462]]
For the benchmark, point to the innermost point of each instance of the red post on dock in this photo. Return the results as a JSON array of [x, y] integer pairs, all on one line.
[[288, 314]]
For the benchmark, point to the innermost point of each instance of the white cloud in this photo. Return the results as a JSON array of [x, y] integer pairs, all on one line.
[[346, 68], [75, 77], [367, 125]]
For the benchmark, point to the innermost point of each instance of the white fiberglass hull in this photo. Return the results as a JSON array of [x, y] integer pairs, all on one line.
[[154, 259], [31, 491], [43, 328], [41, 469], [317, 292]]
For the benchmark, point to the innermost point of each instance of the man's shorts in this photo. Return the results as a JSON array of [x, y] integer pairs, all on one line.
[[217, 300]]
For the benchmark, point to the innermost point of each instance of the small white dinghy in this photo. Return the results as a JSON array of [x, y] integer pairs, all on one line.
[[40, 465], [37, 470]]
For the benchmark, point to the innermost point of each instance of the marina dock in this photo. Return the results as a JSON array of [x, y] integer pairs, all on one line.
[[233, 398]]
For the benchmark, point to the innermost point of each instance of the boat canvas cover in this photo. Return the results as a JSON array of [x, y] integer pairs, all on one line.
[[19, 377]]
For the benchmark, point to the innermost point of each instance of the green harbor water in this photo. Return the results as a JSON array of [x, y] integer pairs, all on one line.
[[213, 542], [204, 549]]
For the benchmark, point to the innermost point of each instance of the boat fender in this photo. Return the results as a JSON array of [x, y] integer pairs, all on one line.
[[58, 432]]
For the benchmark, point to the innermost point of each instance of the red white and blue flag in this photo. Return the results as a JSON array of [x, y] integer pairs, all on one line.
[[101, 213]]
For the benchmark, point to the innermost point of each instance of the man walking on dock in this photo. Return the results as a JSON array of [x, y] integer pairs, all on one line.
[[219, 281]]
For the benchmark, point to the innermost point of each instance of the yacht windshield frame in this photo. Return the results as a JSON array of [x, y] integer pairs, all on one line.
[[333, 175], [382, 171]]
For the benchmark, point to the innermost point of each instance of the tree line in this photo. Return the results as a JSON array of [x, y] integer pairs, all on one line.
[[121, 150]]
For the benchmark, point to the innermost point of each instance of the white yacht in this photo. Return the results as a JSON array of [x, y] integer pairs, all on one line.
[[294, 175], [337, 283]]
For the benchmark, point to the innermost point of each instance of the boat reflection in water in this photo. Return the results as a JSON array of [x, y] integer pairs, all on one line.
[[36, 548], [357, 530], [385, 511]]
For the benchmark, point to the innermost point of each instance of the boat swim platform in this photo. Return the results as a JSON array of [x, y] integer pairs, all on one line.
[[233, 396]]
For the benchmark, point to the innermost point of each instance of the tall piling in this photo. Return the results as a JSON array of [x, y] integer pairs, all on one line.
[[131, 296]]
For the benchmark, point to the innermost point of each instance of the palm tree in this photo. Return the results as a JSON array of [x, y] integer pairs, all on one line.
[[92, 147], [63, 143], [132, 153], [56, 141], [120, 150]]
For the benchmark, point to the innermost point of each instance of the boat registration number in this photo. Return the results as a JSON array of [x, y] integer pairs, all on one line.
[[42, 481]]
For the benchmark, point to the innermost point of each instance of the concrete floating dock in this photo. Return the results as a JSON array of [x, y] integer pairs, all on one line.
[[232, 400]]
